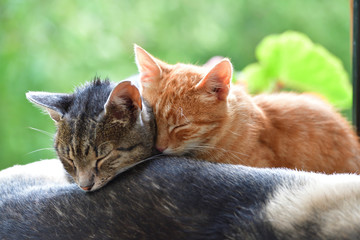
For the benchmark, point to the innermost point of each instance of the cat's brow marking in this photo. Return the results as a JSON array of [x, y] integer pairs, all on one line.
[[96, 151], [87, 150], [180, 111], [67, 150], [105, 143]]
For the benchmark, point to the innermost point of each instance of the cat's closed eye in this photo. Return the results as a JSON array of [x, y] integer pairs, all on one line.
[[100, 161], [128, 149], [70, 162], [178, 127]]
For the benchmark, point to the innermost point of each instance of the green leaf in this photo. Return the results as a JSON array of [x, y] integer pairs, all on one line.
[[293, 60]]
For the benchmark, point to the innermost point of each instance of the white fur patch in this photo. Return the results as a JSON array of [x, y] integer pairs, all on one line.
[[51, 170], [332, 202]]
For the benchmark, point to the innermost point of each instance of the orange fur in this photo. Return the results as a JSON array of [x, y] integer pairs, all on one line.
[[197, 114]]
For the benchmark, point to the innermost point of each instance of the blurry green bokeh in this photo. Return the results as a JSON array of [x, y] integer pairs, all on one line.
[[291, 61], [59, 44]]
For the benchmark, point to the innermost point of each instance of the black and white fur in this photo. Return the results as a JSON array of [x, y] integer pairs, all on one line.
[[176, 198]]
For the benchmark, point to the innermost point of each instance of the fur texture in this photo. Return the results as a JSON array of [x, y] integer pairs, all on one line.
[[178, 198], [198, 114], [102, 130]]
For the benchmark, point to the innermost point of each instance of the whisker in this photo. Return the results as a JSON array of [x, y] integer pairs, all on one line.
[[41, 149], [232, 154], [155, 156], [232, 132], [48, 134], [239, 160], [221, 149], [43, 132]]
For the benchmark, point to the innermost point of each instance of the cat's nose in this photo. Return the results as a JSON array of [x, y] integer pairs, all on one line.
[[161, 149], [87, 188], [85, 179]]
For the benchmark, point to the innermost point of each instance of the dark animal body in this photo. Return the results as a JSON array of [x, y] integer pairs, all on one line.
[[177, 198]]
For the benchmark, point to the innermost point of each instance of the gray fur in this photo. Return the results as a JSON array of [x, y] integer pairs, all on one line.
[[175, 198]]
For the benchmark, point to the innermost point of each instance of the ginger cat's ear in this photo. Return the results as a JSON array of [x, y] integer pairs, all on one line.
[[148, 66], [218, 79], [124, 94]]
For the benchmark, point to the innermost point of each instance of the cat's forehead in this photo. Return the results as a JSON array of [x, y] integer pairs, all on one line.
[[182, 73], [177, 83], [90, 98], [70, 129], [176, 105], [81, 138]]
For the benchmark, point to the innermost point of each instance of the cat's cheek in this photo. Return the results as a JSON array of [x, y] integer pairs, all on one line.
[[73, 175], [175, 148], [100, 182], [96, 187], [180, 140], [69, 169]]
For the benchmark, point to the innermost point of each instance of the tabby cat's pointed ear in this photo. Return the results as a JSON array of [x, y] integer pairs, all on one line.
[[123, 95], [55, 103], [218, 79], [148, 66]]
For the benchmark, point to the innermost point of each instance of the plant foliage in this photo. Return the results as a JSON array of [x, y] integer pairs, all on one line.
[[292, 61]]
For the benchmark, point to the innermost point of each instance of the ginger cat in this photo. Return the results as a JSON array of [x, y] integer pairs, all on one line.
[[198, 114]]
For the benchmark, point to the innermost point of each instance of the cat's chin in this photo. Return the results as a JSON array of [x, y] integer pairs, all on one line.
[[170, 151], [95, 187], [175, 152], [92, 189]]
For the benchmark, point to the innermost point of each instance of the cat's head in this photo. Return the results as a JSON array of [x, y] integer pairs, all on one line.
[[189, 102], [102, 130]]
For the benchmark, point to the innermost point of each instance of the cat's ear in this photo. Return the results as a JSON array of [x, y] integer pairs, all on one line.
[[217, 80], [148, 66], [213, 61], [55, 103], [123, 95]]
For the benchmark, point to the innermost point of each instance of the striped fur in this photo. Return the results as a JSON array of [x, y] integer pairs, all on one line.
[[102, 130], [177, 198], [198, 115]]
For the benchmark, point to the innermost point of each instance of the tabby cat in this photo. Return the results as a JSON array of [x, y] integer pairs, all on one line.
[[199, 114], [102, 130]]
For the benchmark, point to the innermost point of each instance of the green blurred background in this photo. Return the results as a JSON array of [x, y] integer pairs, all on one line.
[[59, 44]]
